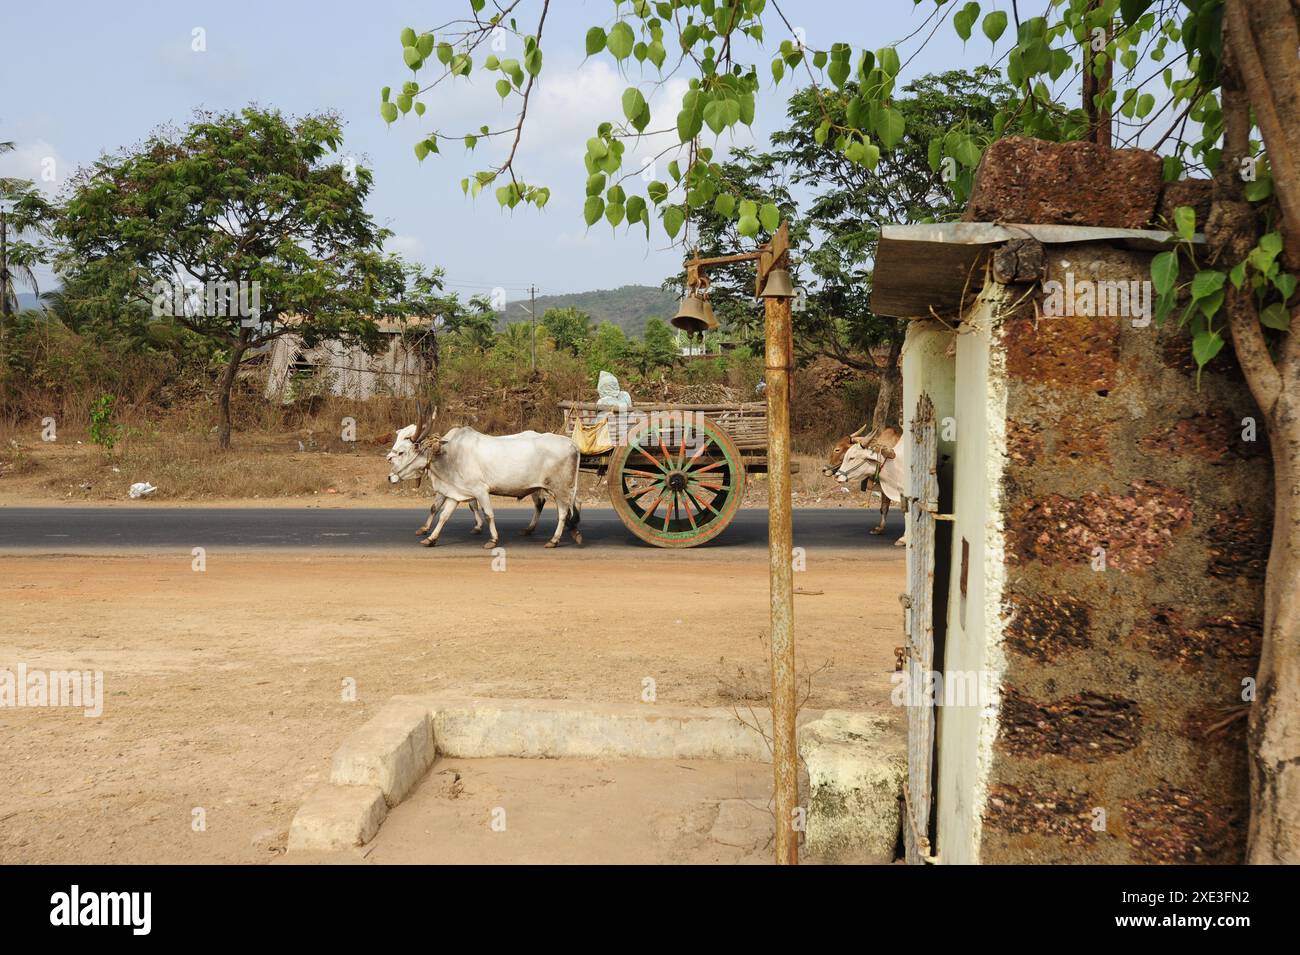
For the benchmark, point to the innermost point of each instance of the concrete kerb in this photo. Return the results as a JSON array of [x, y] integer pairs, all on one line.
[[380, 762]]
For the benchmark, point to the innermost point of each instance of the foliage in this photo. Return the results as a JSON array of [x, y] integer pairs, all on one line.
[[28, 217], [103, 431], [253, 207], [569, 328]]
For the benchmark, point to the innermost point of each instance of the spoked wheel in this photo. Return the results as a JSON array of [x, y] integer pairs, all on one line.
[[676, 485]]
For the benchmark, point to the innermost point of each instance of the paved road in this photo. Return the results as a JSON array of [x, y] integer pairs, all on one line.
[[82, 529]]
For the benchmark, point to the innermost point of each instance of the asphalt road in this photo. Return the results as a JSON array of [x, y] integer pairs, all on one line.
[[82, 529]]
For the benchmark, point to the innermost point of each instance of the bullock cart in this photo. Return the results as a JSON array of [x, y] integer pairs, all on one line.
[[676, 472]]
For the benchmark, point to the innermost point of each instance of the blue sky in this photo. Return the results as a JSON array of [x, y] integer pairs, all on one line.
[[80, 78]]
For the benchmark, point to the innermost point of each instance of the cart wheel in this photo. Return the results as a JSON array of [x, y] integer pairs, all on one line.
[[676, 486]]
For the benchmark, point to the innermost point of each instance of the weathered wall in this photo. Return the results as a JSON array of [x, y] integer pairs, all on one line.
[[1120, 731]]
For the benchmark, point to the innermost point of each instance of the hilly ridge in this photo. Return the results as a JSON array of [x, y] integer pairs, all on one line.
[[629, 307]]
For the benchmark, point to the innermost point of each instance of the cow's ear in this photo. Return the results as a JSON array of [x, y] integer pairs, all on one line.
[[862, 442]]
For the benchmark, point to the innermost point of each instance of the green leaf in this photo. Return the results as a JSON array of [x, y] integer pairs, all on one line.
[[595, 41], [964, 19], [503, 88], [778, 70], [1285, 283], [769, 216], [890, 126], [620, 40], [424, 43], [839, 72], [1275, 316], [715, 114], [748, 226], [614, 213], [657, 191], [1185, 222], [1205, 345], [887, 60], [421, 150], [966, 152], [689, 124], [724, 205], [445, 53], [1238, 274], [1164, 272], [674, 216], [593, 209], [533, 61], [1206, 282], [388, 111], [412, 57], [634, 105], [995, 24], [408, 36]]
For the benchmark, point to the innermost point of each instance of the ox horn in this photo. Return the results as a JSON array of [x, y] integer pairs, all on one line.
[[426, 425], [861, 431]]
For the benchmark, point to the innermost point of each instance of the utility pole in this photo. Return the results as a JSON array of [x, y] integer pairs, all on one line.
[[531, 309], [4, 265], [780, 548]]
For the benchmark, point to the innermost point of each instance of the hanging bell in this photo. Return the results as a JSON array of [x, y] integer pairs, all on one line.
[[695, 314], [778, 285]]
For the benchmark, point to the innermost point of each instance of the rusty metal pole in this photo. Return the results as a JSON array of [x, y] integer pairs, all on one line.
[[780, 553]]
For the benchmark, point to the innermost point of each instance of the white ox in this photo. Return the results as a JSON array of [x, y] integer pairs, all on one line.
[[466, 466], [876, 463]]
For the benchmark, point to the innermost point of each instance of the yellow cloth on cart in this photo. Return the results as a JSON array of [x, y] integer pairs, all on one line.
[[593, 438]]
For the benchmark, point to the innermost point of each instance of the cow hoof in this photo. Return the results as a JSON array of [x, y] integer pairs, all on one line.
[[877, 530], [488, 545], [429, 542], [527, 532], [577, 538], [552, 543], [421, 532]]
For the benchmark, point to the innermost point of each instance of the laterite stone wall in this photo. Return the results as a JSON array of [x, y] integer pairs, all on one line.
[[1136, 520]]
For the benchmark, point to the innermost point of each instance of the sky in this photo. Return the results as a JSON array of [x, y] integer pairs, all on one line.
[[83, 78]]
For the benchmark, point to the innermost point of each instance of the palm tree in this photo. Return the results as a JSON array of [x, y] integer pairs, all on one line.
[[25, 218]]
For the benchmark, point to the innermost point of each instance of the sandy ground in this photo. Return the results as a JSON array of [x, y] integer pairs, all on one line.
[[225, 692], [576, 811]]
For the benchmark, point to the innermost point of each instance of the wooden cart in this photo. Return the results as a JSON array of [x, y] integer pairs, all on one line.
[[676, 473]]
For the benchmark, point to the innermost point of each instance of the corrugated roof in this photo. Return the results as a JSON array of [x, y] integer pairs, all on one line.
[[925, 266]]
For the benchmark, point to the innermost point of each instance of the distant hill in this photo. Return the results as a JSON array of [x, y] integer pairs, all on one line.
[[628, 307]]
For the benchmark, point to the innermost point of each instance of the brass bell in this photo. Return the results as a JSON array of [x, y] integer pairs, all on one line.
[[778, 285], [695, 314]]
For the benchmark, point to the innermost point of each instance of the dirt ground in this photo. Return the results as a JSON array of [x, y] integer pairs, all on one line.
[[226, 691], [576, 812]]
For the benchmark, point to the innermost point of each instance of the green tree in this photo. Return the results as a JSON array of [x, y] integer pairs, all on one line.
[[660, 344], [607, 349], [1220, 77], [569, 328], [26, 218], [242, 227]]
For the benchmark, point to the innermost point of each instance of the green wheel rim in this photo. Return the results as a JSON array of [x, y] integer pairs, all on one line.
[[676, 486]]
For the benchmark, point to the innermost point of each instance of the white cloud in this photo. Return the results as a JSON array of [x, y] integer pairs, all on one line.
[[39, 161]]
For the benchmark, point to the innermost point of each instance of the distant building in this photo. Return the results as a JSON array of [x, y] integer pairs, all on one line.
[[399, 368]]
